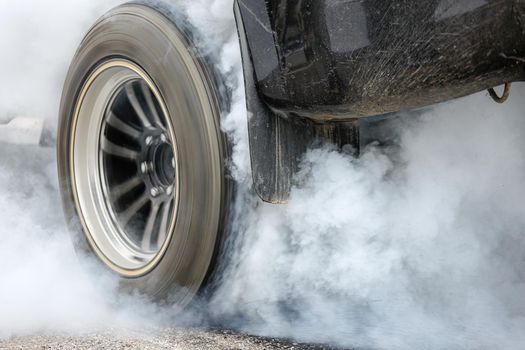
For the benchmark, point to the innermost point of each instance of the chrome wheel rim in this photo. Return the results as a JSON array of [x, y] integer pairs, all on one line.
[[124, 168]]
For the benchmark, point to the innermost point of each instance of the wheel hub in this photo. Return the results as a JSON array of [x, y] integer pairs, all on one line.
[[157, 164]]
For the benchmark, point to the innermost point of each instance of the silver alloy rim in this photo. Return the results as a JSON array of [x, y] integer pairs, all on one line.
[[124, 167]]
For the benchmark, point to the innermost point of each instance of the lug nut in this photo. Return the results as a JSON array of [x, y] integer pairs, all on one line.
[[144, 167], [155, 192], [163, 138], [149, 140], [169, 190], [173, 163]]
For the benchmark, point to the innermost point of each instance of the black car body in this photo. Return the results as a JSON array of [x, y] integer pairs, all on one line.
[[313, 68]]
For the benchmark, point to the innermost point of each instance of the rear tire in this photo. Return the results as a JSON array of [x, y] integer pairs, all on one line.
[[141, 156]]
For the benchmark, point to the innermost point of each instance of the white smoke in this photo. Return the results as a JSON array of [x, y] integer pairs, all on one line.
[[216, 24], [37, 41], [418, 246], [422, 247], [44, 287]]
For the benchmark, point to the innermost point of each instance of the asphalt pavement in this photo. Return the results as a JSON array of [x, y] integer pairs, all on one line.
[[173, 339]]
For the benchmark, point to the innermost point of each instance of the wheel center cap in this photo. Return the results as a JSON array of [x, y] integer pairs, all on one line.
[[158, 164], [163, 164]]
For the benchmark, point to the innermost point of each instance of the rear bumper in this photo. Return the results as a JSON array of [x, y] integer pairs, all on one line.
[[326, 59], [314, 67]]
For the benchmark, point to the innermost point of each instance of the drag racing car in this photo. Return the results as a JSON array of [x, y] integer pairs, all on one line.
[[143, 161]]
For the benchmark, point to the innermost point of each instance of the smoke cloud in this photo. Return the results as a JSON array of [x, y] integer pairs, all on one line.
[[415, 245], [420, 246], [44, 287], [37, 42]]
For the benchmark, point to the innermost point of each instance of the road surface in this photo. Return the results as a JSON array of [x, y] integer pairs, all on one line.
[[173, 339]]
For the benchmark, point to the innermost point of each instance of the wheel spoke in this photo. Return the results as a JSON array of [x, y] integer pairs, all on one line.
[[120, 125], [151, 105], [133, 209], [150, 225], [118, 151], [123, 188], [132, 97], [164, 222]]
